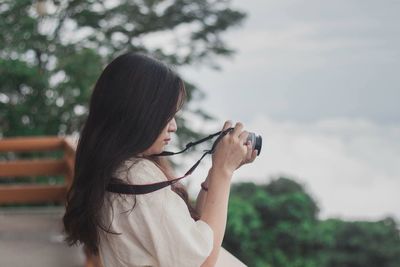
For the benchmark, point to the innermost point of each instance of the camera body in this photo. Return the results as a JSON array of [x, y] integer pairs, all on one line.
[[256, 140]]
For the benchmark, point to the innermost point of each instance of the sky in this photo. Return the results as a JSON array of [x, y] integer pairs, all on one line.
[[319, 80]]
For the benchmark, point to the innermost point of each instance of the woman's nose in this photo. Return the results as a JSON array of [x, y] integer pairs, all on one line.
[[172, 126]]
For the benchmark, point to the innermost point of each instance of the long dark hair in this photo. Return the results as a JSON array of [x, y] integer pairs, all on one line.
[[132, 102]]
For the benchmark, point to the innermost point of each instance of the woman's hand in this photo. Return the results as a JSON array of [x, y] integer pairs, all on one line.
[[232, 151], [251, 155]]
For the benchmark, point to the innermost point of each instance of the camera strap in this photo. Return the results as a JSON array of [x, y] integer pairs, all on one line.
[[132, 189]]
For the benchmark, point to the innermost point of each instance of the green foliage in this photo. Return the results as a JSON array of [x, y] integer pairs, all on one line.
[[361, 243], [276, 225], [51, 53]]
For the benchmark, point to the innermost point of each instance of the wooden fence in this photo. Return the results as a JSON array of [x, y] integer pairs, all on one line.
[[37, 193], [34, 193]]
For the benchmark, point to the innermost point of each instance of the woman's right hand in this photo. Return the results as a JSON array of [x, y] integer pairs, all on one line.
[[232, 149]]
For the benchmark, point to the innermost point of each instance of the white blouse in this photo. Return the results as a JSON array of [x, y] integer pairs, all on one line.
[[158, 231]]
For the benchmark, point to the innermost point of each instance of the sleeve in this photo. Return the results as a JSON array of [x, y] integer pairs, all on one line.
[[166, 228]]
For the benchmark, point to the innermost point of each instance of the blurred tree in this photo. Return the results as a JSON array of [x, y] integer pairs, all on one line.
[[360, 244], [276, 225], [275, 221], [52, 51]]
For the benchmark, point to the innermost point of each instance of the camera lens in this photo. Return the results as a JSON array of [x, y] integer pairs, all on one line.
[[256, 141], [258, 144]]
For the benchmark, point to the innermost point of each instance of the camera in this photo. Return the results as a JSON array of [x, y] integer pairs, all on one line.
[[256, 141]]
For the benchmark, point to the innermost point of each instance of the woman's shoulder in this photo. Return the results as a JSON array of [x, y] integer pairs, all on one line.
[[140, 171]]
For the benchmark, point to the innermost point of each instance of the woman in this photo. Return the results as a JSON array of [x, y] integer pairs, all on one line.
[[131, 119]]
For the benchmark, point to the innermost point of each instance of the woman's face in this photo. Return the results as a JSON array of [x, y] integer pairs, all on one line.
[[162, 140]]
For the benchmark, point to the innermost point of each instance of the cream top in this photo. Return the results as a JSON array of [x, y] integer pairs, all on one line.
[[158, 231]]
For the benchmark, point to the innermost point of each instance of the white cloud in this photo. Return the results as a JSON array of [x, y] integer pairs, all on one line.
[[308, 61]]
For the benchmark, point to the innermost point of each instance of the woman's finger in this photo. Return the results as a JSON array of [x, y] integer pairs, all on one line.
[[249, 151], [238, 129], [243, 137], [227, 125], [253, 155]]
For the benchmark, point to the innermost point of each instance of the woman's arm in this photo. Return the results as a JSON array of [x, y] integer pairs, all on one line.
[[201, 197], [215, 209], [227, 157]]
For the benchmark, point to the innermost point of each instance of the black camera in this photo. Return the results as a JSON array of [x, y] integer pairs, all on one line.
[[256, 141]]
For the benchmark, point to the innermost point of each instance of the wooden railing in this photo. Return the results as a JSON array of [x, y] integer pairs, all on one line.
[[34, 193], [39, 193]]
